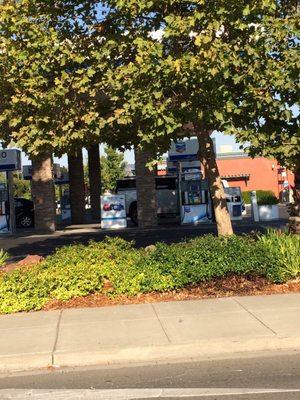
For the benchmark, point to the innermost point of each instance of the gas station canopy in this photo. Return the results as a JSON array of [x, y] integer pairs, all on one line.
[[10, 160]]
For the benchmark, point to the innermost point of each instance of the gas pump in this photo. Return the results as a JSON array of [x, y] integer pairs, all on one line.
[[234, 202], [196, 206], [4, 212], [194, 194], [10, 160]]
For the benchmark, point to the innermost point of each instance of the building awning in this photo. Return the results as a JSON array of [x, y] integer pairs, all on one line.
[[236, 177]]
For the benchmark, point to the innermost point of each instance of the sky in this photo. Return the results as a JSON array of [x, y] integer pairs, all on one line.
[[221, 140]]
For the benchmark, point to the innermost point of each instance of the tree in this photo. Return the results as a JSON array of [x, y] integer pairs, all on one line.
[[77, 189], [139, 73], [284, 146], [200, 66], [43, 193], [146, 190], [112, 169], [21, 186], [94, 172], [49, 105], [275, 132]]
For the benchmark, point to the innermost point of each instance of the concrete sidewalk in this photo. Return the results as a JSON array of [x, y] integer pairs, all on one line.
[[149, 332]]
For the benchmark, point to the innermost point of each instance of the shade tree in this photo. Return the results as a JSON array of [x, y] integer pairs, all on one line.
[[194, 67]]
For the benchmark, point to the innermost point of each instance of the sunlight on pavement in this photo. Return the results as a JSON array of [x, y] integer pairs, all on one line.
[[135, 394]]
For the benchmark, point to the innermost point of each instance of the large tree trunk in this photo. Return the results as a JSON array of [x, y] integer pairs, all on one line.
[[294, 226], [146, 190], [208, 159], [43, 193], [95, 180], [77, 192]]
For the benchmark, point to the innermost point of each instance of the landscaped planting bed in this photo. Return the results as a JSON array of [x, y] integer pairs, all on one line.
[[113, 269]]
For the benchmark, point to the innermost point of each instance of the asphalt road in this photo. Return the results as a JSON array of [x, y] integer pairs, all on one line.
[[268, 376], [142, 237]]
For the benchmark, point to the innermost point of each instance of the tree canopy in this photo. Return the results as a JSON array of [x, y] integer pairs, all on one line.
[[142, 72], [49, 100], [112, 169], [222, 65], [136, 72]]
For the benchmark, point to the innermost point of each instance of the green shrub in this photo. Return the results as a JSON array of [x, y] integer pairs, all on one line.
[[3, 257], [72, 271], [264, 197], [79, 270], [202, 259], [284, 249]]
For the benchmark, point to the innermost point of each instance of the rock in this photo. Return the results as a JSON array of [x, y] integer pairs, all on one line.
[[150, 248], [107, 285]]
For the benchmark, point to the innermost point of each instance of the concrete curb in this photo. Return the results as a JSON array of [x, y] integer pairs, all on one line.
[[189, 351], [24, 362]]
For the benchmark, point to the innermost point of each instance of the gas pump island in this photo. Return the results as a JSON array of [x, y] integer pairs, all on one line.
[[10, 160], [196, 206], [194, 194]]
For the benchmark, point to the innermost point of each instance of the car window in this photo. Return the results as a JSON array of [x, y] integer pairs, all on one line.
[[166, 183], [126, 184]]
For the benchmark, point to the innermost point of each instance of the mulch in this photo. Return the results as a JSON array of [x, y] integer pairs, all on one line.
[[226, 287], [28, 261]]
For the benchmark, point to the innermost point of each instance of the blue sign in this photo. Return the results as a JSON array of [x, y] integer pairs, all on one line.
[[180, 147]]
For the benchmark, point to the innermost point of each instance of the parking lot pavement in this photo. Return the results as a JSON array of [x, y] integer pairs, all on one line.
[[24, 243]]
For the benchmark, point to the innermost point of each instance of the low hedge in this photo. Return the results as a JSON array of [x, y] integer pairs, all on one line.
[[264, 197], [79, 270]]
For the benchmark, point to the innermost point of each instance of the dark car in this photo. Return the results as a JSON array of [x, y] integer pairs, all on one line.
[[117, 207], [24, 212]]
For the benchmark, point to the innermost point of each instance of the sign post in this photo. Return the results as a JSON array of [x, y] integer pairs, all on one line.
[[254, 204]]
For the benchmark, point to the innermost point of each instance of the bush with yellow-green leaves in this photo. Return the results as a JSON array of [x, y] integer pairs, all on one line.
[[79, 270]]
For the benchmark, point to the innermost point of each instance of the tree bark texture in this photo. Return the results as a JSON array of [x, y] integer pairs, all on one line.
[[95, 180], [43, 193], [146, 190], [77, 192], [208, 159]]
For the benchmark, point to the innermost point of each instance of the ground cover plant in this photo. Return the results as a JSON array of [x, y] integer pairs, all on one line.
[[3, 257], [115, 267]]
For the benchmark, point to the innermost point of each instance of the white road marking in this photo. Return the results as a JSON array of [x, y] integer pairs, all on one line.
[[131, 394]]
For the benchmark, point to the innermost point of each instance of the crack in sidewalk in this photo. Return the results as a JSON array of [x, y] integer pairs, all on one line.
[[56, 337], [255, 317], [162, 327]]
